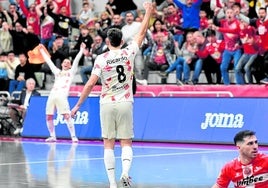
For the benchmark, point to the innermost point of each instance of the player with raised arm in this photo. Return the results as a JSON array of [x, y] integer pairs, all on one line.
[[115, 68], [58, 97]]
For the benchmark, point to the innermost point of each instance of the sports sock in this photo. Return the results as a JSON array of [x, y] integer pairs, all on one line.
[[126, 158], [70, 126], [109, 161], [51, 128]]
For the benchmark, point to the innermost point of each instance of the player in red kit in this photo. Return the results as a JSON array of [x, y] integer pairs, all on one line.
[[249, 169]]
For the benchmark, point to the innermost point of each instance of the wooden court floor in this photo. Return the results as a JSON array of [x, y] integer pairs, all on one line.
[[33, 163]]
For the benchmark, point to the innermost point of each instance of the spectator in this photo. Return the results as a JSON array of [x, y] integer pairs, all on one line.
[[32, 18], [243, 168], [19, 35], [160, 57], [117, 22], [111, 8], [23, 71], [62, 24], [204, 22], [162, 4], [97, 48], [17, 112], [230, 28], [12, 63], [86, 14], [63, 3], [46, 24], [3, 72], [178, 66], [173, 21], [250, 45], [103, 24], [85, 38], [31, 39], [192, 62], [262, 27], [129, 30], [6, 40], [59, 51], [214, 49], [15, 15], [117, 7], [3, 16], [190, 14]]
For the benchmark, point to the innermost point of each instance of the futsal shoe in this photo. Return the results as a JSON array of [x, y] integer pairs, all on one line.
[[51, 139], [125, 182], [74, 139]]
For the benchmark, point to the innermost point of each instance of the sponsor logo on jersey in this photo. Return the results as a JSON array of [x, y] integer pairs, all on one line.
[[251, 180]]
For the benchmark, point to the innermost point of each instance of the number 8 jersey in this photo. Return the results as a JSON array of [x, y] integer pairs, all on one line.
[[115, 69]]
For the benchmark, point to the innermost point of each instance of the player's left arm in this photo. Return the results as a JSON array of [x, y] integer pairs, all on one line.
[[78, 57]]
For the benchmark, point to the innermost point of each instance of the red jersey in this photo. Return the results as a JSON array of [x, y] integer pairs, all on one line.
[[247, 36], [203, 23], [263, 33], [230, 30], [215, 50], [31, 17], [64, 3], [253, 175]]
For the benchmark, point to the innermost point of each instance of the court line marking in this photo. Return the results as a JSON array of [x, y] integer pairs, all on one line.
[[118, 157]]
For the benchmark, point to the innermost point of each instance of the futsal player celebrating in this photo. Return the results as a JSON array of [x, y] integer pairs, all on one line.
[[115, 68], [58, 97]]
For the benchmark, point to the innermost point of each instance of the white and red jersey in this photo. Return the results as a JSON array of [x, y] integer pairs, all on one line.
[[215, 50], [230, 30], [253, 175], [247, 37], [262, 27], [63, 78], [115, 68]]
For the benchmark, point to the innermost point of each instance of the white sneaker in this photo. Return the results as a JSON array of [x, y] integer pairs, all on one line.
[[74, 139], [125, 182], [51, 139], [142, 82], [17, 131]]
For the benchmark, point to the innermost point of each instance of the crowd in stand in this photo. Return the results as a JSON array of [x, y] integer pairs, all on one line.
[[183, 36]]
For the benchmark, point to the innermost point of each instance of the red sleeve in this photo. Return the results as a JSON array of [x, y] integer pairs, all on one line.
[[222, 46], [230, 30], [202, 53], [224, 178], [23, 8]]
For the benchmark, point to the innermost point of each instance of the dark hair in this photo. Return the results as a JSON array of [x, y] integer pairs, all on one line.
[[239, 137], [157, 20], [263, 8], [115, 36], [236, 4]]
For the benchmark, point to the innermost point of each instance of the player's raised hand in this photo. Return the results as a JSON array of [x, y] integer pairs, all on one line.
[[148, 6]]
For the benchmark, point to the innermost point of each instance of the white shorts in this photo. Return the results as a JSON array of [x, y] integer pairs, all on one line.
[[59, 103], [117, 120]]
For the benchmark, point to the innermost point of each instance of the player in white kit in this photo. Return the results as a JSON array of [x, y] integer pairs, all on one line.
[[115, 68], [58, 97]]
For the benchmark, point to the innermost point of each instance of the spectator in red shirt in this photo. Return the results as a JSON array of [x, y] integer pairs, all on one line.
[[248, 39], [32, 19]]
